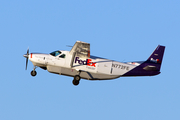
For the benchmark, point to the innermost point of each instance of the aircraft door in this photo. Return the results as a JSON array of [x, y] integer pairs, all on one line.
[[104, 66], [60, 60]]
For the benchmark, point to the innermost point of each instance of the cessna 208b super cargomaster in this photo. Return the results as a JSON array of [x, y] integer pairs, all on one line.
[[78, 63]]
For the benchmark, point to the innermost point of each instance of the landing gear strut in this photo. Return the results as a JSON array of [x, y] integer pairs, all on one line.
[[33, 72], [76, 80]]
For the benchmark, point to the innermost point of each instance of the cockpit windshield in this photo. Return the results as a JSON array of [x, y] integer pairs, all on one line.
[[55, 53]]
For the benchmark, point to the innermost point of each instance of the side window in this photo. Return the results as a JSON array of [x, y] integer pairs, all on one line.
[[62, 56], [55, 53]]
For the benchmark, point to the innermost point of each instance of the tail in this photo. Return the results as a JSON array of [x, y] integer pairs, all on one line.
[[151, 66], [156, 57]]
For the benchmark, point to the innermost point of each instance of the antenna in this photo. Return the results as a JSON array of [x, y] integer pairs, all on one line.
[[69, 46]]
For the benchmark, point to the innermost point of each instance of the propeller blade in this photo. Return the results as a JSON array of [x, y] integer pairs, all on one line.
[[28, 51], [26, 63], [27, 57]]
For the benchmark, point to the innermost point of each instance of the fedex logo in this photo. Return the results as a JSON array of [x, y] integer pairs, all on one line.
[[85, 62], [156, 61]]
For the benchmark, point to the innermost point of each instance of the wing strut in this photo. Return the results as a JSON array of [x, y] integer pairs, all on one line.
[[72, 59]]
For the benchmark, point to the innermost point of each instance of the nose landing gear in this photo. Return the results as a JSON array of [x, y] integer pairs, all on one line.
[[33, 72]]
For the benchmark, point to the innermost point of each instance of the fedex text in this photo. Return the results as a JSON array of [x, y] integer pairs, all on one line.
[[87, 62]]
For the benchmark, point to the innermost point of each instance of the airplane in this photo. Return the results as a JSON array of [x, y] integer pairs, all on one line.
[[78, 63]]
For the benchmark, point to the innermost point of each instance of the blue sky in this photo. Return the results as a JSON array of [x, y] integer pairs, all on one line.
[[118, 30]]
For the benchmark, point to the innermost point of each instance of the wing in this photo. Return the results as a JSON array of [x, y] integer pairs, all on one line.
[[81, 49]]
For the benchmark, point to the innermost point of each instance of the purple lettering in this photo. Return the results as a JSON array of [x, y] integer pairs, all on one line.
[[76, 59], [85, 62]]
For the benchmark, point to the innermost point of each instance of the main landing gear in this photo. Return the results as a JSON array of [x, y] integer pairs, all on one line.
[[76, 80], [33, 72]]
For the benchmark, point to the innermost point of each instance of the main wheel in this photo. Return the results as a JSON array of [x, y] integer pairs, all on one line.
[[75, 82], [33, 73], [77, 77]]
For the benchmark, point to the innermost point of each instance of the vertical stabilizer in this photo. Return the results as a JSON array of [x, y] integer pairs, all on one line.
[[156, 58], [157, 55]]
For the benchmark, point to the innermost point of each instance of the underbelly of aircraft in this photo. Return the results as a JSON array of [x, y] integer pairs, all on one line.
[[82, 74]]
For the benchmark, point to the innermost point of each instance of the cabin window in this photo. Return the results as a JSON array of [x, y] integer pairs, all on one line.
[[55, 53], [62, 56]]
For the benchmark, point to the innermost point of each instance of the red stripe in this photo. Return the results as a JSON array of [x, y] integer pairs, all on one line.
[[31, 55]]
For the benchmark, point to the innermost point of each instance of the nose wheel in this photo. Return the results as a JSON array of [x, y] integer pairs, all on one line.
[[76, 80], [33, 72]]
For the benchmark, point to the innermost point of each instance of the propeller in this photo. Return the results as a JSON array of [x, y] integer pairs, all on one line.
[[27, 57]]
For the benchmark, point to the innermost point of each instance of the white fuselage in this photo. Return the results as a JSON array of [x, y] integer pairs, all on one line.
[[93, 68]]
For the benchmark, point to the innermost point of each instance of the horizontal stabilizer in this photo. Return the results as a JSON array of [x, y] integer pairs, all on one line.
[[150, 68]]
